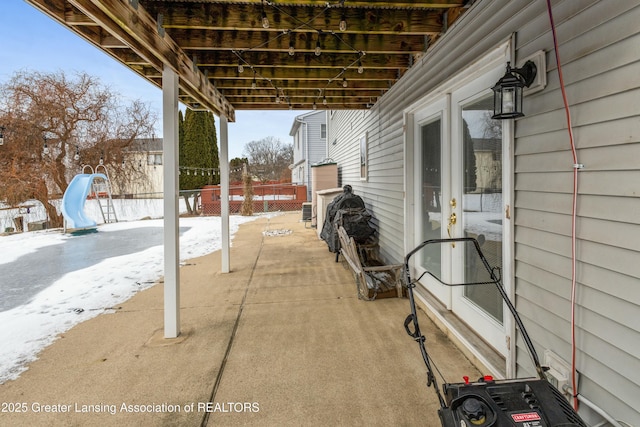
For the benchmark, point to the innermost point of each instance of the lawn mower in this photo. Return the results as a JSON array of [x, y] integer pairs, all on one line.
[[529, 402]]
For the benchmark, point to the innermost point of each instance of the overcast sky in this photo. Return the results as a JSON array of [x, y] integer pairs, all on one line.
[[30, 40]]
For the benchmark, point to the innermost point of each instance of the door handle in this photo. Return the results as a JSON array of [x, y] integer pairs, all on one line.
[[453, 218]]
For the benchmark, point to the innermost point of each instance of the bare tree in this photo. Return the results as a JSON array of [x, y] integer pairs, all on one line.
[[55, 124], [247, 192], [269, 158]]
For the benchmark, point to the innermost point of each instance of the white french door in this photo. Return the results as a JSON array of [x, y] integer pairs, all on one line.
[[459, 159], [478, 161], [432, 188]]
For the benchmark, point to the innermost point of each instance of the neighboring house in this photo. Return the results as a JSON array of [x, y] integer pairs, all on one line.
[[409, 158], [309, 132], [145, 181]]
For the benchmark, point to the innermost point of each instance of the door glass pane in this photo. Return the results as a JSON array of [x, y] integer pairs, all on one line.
[[482, 198], [431, 194]]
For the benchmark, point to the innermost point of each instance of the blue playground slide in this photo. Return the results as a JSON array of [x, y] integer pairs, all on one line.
[[74, 198]]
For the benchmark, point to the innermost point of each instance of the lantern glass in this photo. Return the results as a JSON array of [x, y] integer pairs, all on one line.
[[507, 97], [507, 93]]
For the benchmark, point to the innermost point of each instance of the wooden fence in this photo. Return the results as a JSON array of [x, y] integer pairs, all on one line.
[[266, 198]]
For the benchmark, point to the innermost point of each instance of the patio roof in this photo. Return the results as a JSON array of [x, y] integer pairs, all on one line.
[[208, 54], [263, 54]]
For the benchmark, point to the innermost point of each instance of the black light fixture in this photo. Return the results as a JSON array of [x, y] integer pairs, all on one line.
[[507, 93], [45, 148], [2, 128]]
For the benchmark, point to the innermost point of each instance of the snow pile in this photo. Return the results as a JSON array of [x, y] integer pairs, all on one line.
[[86, 293]]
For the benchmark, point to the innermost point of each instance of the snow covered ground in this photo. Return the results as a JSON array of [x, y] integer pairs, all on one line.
[[82, 294], [126, 209]]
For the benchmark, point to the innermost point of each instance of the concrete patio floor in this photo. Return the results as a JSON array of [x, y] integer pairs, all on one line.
[[282, 340]]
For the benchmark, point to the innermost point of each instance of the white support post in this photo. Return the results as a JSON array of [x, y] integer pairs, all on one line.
[[171, 195], [224, 192]]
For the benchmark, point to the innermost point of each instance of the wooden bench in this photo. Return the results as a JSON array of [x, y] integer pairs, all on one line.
[[372, 281]]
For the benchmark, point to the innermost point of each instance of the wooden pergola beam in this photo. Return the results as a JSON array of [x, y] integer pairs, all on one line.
[[335, 4], [140, 32], [247, 17], [254, 41], [263, 60], [205, 41]]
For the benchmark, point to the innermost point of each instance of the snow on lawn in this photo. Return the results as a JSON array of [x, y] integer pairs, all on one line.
[[83, 294]]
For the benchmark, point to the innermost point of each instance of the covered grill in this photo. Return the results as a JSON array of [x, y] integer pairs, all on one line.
[[346, 210]]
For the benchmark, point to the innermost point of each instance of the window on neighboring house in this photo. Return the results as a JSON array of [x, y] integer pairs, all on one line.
[[154, 159], [323, 131]]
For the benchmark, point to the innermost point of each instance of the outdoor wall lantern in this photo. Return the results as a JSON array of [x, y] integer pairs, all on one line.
[[507, 93], [2, 128]]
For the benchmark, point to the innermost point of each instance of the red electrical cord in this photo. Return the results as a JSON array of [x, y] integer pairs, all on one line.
[[576, 167]]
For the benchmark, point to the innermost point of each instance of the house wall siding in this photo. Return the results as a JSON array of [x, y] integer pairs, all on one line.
[[317, 150], [601, 66], [309, 147], [382, 191], [602, 79], [298, 157]]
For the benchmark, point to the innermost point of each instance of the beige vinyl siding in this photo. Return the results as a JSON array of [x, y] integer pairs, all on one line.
[[599, 49]]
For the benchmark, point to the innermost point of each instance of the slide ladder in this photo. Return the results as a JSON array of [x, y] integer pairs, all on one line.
[[101, 189]]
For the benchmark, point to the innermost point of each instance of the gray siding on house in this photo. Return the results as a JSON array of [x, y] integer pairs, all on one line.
[[600, 54], [601, 67], [317, 145], [309, 146], [383, 189]]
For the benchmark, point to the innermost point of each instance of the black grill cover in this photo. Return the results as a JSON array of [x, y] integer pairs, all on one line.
[[346, 210]]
